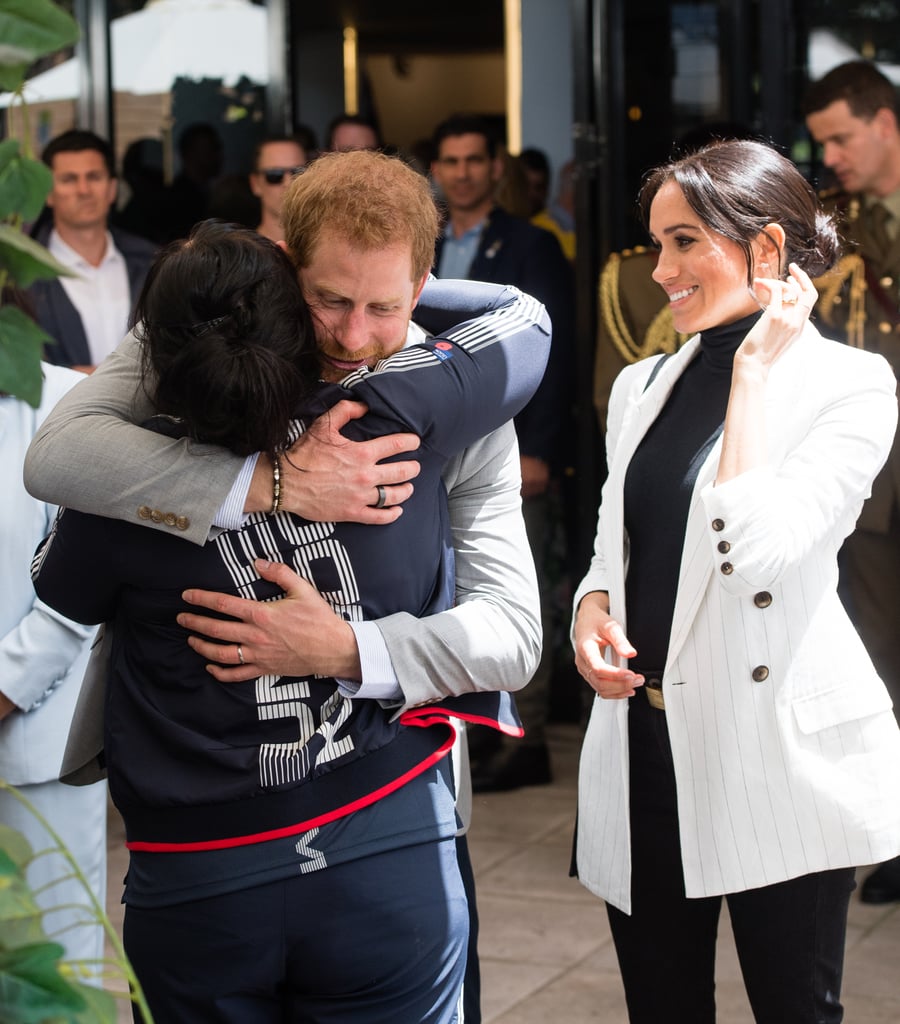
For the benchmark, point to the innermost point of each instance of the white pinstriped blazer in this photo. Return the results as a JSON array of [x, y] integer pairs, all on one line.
[[799, 771]]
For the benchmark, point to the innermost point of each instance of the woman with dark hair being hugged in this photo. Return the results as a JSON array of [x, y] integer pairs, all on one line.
[[740, 742], [229, 349], [292, 842]]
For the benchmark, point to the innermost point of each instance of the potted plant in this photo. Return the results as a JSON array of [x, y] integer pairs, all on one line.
[[29, 29]]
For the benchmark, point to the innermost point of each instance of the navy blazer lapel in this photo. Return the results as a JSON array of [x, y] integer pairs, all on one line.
[[490, 248], [63, 324]]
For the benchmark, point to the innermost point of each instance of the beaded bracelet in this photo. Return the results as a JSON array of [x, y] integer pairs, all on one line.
[[277, 496]]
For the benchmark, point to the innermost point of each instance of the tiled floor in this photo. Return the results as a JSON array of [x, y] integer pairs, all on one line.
[[546, 954]]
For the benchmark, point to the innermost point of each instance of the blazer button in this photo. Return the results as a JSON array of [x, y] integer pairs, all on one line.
[[763, 599], [760, 674], [726, 568], [144, 512], [718, 525], [169, 519], [182, 523], [723, 547], [156, 516]]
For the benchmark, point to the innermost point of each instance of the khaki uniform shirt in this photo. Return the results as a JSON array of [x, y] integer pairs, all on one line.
[[635, 320], [859, 303]]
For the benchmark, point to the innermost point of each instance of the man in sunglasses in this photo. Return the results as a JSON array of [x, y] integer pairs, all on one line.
[[276, 162]]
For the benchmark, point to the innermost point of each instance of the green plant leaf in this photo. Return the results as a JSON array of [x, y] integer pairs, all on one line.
[[21, 346], [24, 184], [9, 150], [28, 30], [26, 260], [11, 76], [100, 1005], [22, 930], [15, 850], [21, 920], [32, 990]]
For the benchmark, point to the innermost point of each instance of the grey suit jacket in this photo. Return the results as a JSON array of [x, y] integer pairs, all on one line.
[[91, 456]]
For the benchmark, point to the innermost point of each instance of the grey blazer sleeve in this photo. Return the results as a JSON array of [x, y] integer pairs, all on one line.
[[491, 639], [90, 455]]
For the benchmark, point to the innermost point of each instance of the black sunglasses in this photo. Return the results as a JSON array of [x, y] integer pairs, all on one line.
[[275, 175]]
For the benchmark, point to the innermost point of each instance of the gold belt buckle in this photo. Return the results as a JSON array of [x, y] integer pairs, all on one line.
[[653, 689]]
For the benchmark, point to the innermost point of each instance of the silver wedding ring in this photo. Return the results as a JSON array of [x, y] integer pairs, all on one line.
[[382, 496], [240, 654]]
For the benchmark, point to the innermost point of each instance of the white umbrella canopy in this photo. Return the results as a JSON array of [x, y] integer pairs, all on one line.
[[170, 39], [827, 51]]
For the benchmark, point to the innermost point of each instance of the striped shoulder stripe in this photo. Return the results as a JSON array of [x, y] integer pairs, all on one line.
[[38, 557], [492, 327]]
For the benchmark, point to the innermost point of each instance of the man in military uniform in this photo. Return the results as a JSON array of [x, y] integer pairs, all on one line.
[[852, 113], [635, 320]]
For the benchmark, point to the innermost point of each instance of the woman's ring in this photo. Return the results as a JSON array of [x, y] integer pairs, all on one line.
[[382, 496], [790, 300], [240, 654]]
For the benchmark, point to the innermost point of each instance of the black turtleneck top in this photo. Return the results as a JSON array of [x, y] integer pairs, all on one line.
[[659, 483]]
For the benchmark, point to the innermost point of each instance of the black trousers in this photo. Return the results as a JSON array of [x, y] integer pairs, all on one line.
[[789, 936]]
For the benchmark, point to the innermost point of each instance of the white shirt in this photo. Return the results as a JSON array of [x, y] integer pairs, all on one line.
[[101, 295]]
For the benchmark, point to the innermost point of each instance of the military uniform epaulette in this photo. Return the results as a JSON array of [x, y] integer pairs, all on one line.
[[859, 298], [637, 250], [633, 308], [837, 201]]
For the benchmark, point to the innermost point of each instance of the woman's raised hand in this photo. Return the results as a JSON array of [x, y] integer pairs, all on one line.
[[787, 305]]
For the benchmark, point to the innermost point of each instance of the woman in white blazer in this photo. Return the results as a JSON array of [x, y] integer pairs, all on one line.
[[740, 743]]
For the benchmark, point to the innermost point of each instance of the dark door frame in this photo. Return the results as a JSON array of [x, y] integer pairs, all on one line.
[[760, 90]]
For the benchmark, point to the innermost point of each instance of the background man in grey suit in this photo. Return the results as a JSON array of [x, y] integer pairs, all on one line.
[[90, 457]]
